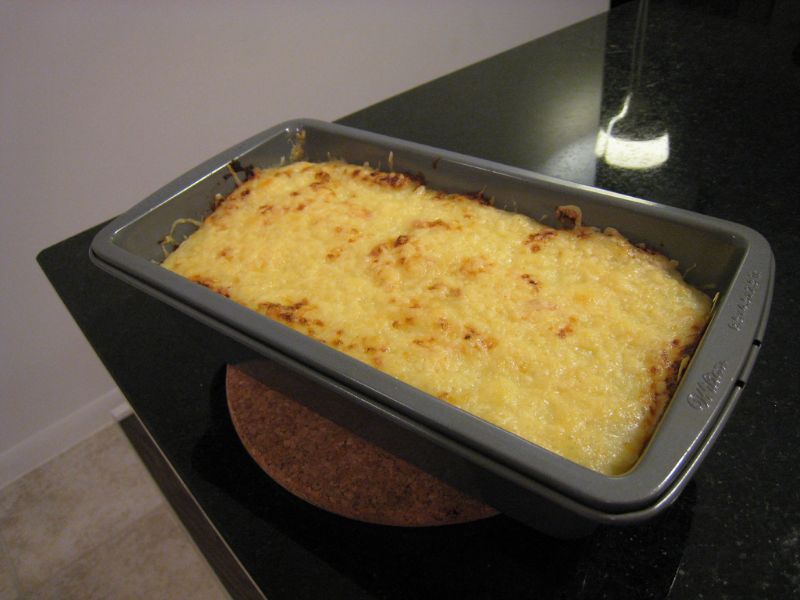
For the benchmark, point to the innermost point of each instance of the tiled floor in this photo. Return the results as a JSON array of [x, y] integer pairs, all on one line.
[[92, 524]]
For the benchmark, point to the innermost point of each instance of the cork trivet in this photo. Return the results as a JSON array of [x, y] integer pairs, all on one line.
[[326, 465]]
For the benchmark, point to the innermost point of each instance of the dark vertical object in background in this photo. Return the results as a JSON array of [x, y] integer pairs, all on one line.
[[640, 149]]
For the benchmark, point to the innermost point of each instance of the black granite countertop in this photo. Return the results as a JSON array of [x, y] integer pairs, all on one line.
[[726, 91]]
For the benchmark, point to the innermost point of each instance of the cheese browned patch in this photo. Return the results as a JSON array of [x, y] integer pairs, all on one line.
[[568, 338]]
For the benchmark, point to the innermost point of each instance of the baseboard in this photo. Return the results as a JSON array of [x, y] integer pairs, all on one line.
[[61, 435]]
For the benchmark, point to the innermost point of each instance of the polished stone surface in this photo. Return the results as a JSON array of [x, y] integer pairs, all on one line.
[[725, 90]]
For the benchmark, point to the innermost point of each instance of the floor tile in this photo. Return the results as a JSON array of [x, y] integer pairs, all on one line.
[[8, 583], [72, 504], [153, 558]]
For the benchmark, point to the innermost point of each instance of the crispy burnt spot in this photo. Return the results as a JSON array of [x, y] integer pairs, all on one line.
[[352, 234], [393, 180], [240, 192], [248, 170], [376, 252], [432, 224], [223, 206], [665, 374], [685, 350], [530, 280], [428, 342], [535, 241], [569, 216], [321, 181], [400, 240], [374, 352], [293, 314], [482, 198], [444, 289], [321, 184], [404, 323], [212, 285], [254, 178], [334, 254], [337, 342], [567, 328], [478, 197], [478, 340]]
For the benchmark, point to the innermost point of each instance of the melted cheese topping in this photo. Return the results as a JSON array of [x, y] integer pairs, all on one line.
[[568, 338]]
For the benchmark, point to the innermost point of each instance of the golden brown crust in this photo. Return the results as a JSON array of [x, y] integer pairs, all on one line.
[[572, 338]]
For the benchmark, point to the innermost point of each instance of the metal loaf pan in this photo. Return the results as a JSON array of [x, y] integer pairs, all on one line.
[[516, 476]]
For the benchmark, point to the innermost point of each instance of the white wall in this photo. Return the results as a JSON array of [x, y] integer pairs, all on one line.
[[103, 102]]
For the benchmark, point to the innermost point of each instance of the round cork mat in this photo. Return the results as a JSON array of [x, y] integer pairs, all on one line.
[[329, 467]]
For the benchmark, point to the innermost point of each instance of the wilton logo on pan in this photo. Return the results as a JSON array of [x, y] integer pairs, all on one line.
[[746, 300], [703, 395]]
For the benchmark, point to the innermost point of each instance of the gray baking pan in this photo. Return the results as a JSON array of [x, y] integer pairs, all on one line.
[[516, 476]]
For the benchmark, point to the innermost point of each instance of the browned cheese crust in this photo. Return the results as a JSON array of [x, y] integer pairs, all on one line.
[[571, 338]]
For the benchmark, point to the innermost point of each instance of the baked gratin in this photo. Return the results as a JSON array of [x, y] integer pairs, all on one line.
[[569, 338]]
